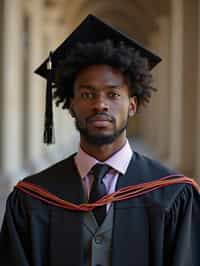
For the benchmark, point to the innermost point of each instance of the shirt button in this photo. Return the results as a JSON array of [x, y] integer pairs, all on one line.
[[98, 240]]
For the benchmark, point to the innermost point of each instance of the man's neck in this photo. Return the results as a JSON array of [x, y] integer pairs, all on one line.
[[102, 152]]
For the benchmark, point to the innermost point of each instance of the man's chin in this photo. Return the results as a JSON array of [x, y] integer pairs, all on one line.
[[99, 139]]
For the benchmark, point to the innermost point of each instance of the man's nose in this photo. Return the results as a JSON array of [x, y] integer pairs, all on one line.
[[100, 103]]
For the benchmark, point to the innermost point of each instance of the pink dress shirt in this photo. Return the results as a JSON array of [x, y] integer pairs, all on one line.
[[119, 162]]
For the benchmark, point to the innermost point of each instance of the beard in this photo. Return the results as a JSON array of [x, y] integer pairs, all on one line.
[[100, 138]]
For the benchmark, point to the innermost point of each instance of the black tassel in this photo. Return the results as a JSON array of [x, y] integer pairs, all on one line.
[[49, 132]]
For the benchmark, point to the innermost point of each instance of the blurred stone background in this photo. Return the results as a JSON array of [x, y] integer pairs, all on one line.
[[167, 129]]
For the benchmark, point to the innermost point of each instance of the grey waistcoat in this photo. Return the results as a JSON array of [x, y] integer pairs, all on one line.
[[97, 240]]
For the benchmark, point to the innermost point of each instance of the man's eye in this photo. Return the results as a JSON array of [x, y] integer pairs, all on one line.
[[87, 95], [114, 95]]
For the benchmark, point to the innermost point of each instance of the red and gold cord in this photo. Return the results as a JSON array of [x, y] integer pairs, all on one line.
[[119, 195]]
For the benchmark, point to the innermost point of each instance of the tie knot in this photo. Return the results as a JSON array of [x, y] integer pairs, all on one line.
[[99, 171]]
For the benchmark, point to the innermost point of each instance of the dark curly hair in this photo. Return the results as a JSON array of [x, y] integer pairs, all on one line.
[[127, 59]]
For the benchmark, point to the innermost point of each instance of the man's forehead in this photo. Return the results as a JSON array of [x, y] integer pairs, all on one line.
[[100, 73]]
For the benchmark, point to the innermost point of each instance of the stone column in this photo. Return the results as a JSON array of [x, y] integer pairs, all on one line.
[[157, 117], [162, 84], [1, 78], [197, 167], [11, 95], [34, 120], [189, 105], [183, 85], [176, 83], [12, 90], [3, 182]]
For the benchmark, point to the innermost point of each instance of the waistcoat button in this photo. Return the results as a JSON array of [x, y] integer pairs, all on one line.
[[98, 240]]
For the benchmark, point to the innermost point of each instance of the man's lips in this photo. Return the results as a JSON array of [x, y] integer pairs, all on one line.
[[100, 123], [100, 120]]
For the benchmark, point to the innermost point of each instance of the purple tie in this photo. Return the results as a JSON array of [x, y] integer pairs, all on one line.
[[98, 190]]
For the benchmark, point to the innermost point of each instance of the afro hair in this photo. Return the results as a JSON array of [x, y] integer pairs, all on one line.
[[132, 65]]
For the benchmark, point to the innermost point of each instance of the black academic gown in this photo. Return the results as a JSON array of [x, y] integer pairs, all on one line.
[[161, 228]]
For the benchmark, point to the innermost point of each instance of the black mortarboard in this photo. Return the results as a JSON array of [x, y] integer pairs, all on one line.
[[91, 30]]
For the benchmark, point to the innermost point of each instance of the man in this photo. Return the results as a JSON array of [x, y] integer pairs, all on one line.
[[48, 221]]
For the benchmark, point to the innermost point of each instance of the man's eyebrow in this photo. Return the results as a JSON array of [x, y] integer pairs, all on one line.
[[109, 86], [85, 86], [114, 86]]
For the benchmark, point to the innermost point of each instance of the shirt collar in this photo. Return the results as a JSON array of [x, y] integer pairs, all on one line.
[[119, 160]]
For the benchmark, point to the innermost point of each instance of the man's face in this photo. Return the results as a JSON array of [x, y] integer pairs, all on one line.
[[101, 104]]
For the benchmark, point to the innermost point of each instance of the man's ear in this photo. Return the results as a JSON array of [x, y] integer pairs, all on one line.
[[132, 106]]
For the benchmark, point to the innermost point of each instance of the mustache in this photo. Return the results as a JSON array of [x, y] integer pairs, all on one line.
[[100, 115]]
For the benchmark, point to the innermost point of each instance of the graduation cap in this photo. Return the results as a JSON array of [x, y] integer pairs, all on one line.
[[91, 30]]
